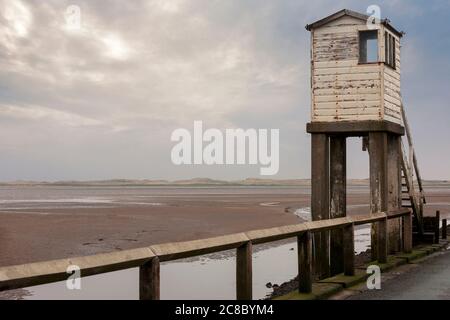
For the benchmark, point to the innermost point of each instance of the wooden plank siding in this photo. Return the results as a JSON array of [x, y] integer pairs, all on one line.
[[392, 90], [342, 88]]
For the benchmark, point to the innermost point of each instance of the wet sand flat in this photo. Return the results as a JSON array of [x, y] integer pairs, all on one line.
[[41, 230]]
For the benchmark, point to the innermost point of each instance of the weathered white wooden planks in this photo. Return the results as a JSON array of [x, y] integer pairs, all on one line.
[[368, 111], [342, 88], [347, 90], [392, 90], [347, 70], [337, 98], [348, 77], [345, 118]]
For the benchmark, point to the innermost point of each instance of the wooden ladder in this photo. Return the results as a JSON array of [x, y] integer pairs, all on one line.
[[410, 197]]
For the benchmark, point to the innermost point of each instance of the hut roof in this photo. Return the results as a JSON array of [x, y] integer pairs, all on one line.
[[354, 14]]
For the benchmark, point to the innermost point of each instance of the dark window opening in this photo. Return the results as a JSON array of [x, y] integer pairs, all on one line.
[[389, 50], [368, 46]]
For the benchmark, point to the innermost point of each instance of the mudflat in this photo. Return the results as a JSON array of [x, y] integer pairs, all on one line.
[[39, 224]]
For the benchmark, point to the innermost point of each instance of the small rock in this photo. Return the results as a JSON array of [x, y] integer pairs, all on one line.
[[269, 285]]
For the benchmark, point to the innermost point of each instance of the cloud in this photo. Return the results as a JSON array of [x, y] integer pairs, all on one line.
[[37, 113], [133, 71], [18, 19]]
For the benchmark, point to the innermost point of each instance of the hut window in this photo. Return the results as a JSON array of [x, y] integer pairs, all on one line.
[[368, 46], [389, 49]]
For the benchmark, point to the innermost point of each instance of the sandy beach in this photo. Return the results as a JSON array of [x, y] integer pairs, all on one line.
[[69, 224]]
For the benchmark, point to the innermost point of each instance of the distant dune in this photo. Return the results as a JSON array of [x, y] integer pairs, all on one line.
[[147, 182], [193, 182]]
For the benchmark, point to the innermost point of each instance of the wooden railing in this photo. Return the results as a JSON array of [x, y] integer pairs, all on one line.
[[412, 158], [410, 167], [148, 259]]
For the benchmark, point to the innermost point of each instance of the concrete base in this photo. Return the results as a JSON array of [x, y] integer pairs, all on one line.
[[347, 281], [416, 254], [393, 261], [320, 291], [330, 286]]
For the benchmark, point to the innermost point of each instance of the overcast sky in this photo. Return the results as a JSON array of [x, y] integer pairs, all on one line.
[[101, 101]]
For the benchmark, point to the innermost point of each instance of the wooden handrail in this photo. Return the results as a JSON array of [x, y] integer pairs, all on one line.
[[412, 155], [32, 274], [148, 258], [179, 250]]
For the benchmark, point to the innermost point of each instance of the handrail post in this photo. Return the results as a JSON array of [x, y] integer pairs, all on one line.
[[444, 229], [407, 232], [382, 241], [436, 226], [244, 272], [149, 277], [304, 250], [349, 250]]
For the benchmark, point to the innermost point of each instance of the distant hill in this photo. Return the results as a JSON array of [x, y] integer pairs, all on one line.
[[147, 182], [192, 182]]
